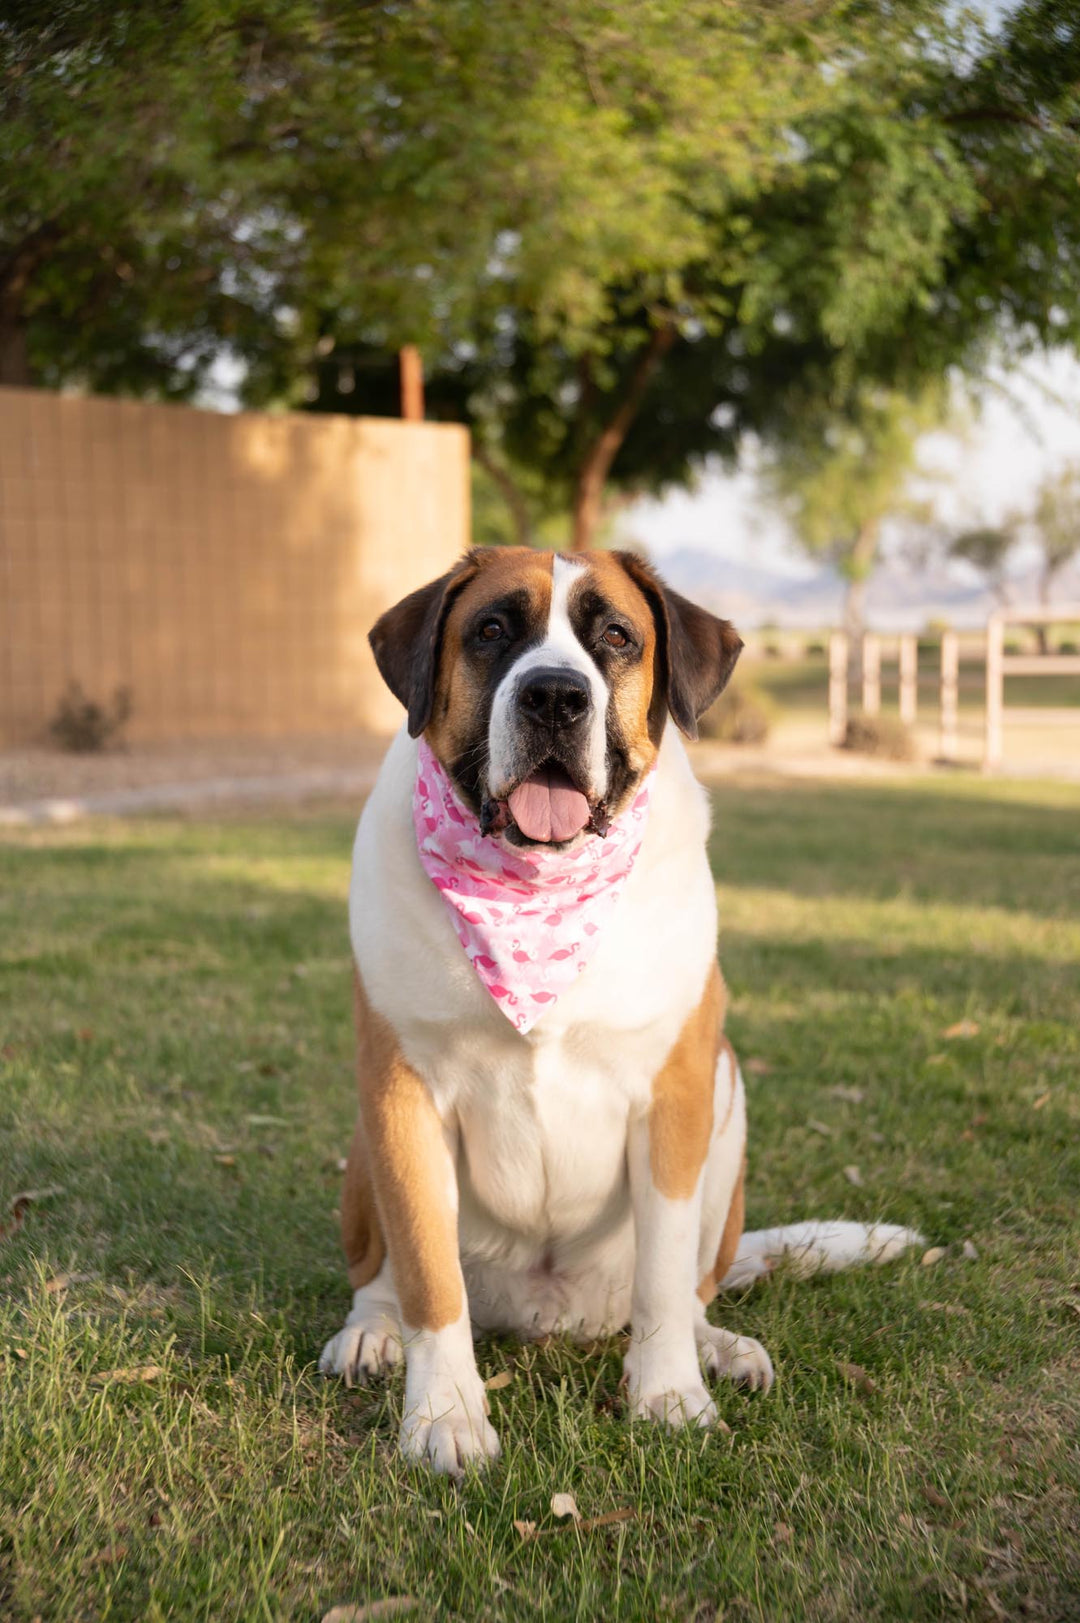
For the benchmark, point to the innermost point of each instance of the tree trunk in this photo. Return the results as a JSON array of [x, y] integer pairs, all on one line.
[[855, 612], [588, 500], [1046, 581], [511, 495], [859, 567], [15, 275], [593, 473], [860, 563], [14, 358]]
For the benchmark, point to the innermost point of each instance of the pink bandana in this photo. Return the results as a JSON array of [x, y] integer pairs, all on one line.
[[529, 919]]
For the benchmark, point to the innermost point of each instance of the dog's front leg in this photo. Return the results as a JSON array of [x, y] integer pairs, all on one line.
[[445, 1420], [661, 1368], [666, 1153]]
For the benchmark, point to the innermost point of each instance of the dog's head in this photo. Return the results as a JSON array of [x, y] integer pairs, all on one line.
[[543, 681]]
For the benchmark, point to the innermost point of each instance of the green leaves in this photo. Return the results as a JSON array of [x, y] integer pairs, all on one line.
[[844, 466], [817, 201]]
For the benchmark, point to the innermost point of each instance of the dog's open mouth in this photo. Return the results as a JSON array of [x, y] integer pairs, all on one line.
[[547, 808]]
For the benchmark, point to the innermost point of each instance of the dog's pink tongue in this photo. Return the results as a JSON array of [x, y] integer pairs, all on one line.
[[548, 807]]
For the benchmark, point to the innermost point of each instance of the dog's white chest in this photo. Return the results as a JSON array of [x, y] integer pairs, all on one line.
[[543, 1153]]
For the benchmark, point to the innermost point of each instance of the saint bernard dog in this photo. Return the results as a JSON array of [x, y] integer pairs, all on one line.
[[552, 1125]]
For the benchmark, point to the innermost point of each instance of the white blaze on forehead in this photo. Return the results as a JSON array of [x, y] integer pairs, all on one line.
[[560, 649]]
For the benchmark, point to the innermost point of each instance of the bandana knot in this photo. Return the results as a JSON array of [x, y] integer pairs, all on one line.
[[529, 918]]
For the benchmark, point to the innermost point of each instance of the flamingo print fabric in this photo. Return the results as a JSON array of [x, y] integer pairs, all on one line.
[[529, 918]]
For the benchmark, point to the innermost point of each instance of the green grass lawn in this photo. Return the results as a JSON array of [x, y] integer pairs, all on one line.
[[175, 1064]]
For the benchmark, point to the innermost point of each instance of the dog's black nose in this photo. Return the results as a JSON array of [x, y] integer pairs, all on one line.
[[554, 698]]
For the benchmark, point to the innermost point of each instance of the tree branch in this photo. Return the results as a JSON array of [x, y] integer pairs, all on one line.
[[508, 489], [23, 260], [16, 274], [995, 115], [597, 464]]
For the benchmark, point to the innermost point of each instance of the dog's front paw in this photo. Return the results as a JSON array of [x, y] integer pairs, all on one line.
[[685, 1405], [367, 1345], [450, 1434], [663, 1383], [735, 1358]]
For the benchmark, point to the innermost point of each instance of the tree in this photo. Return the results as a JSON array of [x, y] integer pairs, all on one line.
[[1053, 525], [133, 146], [623, 235], [987, 547], [844, 470], [922, 215], [1056, 521], [593, 274]]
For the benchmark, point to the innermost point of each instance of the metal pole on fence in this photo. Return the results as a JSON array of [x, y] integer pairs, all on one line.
[[995, 691], [871, 674], [950, 685], [838, 680], [909, 678]]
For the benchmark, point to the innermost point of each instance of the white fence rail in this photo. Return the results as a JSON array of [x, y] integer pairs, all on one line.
[[999, 665]]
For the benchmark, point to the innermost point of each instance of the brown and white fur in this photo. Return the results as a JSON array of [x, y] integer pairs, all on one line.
[[589, 1174]]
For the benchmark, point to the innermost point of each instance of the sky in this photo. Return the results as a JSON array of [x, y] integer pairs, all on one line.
[[1028, 425]]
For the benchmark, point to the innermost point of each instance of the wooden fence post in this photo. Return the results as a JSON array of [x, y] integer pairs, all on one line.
[[995, 692], [412, 384], [950, 687], [838, 684], [871, 674], [909, 679]]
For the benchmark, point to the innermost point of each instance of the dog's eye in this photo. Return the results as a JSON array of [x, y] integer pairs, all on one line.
[[490, 631], [616, 637]]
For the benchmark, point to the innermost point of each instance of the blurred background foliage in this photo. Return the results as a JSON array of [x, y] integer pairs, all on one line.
[[624, 235]]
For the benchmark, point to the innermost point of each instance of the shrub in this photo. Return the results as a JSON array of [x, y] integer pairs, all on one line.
[[741, 715], [1069, 647], [930, 637], [884, 736], [84, 726], [815, 650]]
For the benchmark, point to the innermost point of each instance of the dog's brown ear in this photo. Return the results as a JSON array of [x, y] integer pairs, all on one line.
[[407, 639], [696, 651]]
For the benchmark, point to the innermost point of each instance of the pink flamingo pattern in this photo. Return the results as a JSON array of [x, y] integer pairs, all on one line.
[[528, 918]]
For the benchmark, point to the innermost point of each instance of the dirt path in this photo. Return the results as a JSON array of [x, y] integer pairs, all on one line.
[[43, 785], [46, 786]]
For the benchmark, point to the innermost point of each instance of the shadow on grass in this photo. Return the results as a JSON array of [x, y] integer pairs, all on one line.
[[955, 843]]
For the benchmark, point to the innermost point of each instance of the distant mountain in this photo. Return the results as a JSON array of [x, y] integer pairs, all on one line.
[[899, 598]]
